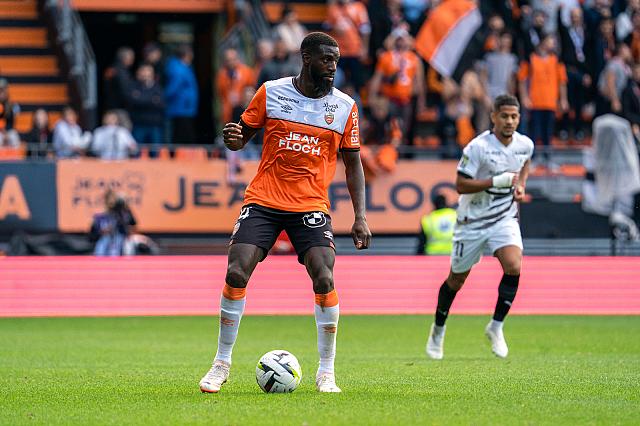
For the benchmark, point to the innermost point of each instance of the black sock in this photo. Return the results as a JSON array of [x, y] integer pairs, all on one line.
[[445, 299], [506, 293]]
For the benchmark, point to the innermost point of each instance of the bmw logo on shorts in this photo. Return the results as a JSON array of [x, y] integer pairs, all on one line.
[[314, 220]]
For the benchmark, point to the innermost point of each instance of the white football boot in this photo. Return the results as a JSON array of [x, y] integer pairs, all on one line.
[[215, 377], [498, 344], [326, 382], [435, 343]]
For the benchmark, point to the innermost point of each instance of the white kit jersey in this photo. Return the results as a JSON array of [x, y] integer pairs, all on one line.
[[485, 157]]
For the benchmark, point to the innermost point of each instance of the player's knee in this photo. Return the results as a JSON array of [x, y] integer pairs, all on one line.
[[323, 282], [512, 266], [456, 281], [236, 277]]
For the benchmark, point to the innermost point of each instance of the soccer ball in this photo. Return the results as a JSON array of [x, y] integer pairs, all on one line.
[[278, 372]]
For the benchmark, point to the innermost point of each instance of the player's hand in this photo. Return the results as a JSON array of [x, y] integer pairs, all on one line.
[[518, 193], [361, 234], [505, 180], [232, 136]]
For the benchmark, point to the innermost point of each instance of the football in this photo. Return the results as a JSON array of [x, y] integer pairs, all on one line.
[[278, 372]]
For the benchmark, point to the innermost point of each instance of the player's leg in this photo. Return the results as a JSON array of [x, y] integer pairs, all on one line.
[[506, 244], [243, 259], [465, 254], [312, 237], [319, 262], [254, 233]]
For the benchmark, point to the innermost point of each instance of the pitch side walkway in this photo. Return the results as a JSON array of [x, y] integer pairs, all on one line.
[[86, 286]]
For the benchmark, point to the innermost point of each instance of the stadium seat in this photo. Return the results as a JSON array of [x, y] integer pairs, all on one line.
[[191, 154], [11, 153]]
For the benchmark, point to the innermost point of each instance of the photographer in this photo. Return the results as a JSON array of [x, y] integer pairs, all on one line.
[[111, 229]]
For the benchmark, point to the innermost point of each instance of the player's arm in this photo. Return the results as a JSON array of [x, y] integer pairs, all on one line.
[[355, 183], [467, 185], [236, 135]]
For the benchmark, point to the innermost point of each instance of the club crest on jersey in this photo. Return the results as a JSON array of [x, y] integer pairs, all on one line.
[[328, 117], [314, 220]]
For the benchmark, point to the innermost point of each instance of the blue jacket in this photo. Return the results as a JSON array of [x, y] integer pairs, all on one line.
[[181, 91]]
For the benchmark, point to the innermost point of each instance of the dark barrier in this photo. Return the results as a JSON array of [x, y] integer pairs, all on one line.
[[28, 197]]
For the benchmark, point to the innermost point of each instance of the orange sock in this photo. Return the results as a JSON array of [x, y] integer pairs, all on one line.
[[233, 293], [327, 300]]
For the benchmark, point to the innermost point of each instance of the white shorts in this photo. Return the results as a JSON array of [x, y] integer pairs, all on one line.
[[468, 246]]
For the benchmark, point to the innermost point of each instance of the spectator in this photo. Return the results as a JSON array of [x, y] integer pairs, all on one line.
[[533, 33], [280, 65], [68, 138], [601, 48], [290, 31], [496, 28], [565, 8], [264, 54], [348, 22], [8, 111], [550, 9], [498, 69], [596, 13], [473, 93], [39, 137], [152, 55], [111, 141], [624, 21], [547, 80], [147, 107], [436, 229], [111, 229], [454, 127], [232, 79], [384, 17], [574, 57], [118, 80], [613, 80], [631, 101], [633, 39], [399, 77], [181, 96]]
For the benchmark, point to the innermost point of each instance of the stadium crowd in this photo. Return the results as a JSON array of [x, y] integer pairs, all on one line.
[[568, 61]]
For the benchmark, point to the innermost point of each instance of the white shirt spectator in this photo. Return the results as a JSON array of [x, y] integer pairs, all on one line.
[[68, 139], [111, 142]]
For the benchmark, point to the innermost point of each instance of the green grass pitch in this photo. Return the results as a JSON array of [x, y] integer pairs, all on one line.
[[561, 370]]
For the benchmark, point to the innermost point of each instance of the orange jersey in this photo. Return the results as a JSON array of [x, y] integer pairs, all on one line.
[[301, 142], [545, 74], [399, 71]]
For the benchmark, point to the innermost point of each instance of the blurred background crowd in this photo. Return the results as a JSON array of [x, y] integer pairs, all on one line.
[[568, 61], [159, 79]]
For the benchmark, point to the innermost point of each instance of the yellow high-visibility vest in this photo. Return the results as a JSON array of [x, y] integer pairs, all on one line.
[[438, 228]]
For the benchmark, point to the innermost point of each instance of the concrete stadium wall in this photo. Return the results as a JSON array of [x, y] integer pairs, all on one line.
[[88, 286]]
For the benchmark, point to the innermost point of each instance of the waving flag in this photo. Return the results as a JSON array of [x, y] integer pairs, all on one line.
[[446, 33]]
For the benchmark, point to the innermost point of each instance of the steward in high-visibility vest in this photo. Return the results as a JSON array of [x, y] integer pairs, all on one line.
[[437, 229]]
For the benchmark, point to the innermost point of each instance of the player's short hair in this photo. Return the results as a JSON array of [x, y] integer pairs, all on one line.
[[505, 100], [313, 41]]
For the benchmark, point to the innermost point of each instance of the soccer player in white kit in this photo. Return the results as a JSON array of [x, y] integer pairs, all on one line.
[[491, 181]]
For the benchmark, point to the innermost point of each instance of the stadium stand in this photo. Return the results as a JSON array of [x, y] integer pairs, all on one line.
[[29, 63]]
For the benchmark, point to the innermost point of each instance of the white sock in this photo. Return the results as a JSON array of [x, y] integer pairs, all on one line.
[[496, 325], [439, 329], [327, 324], [230, 316]]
